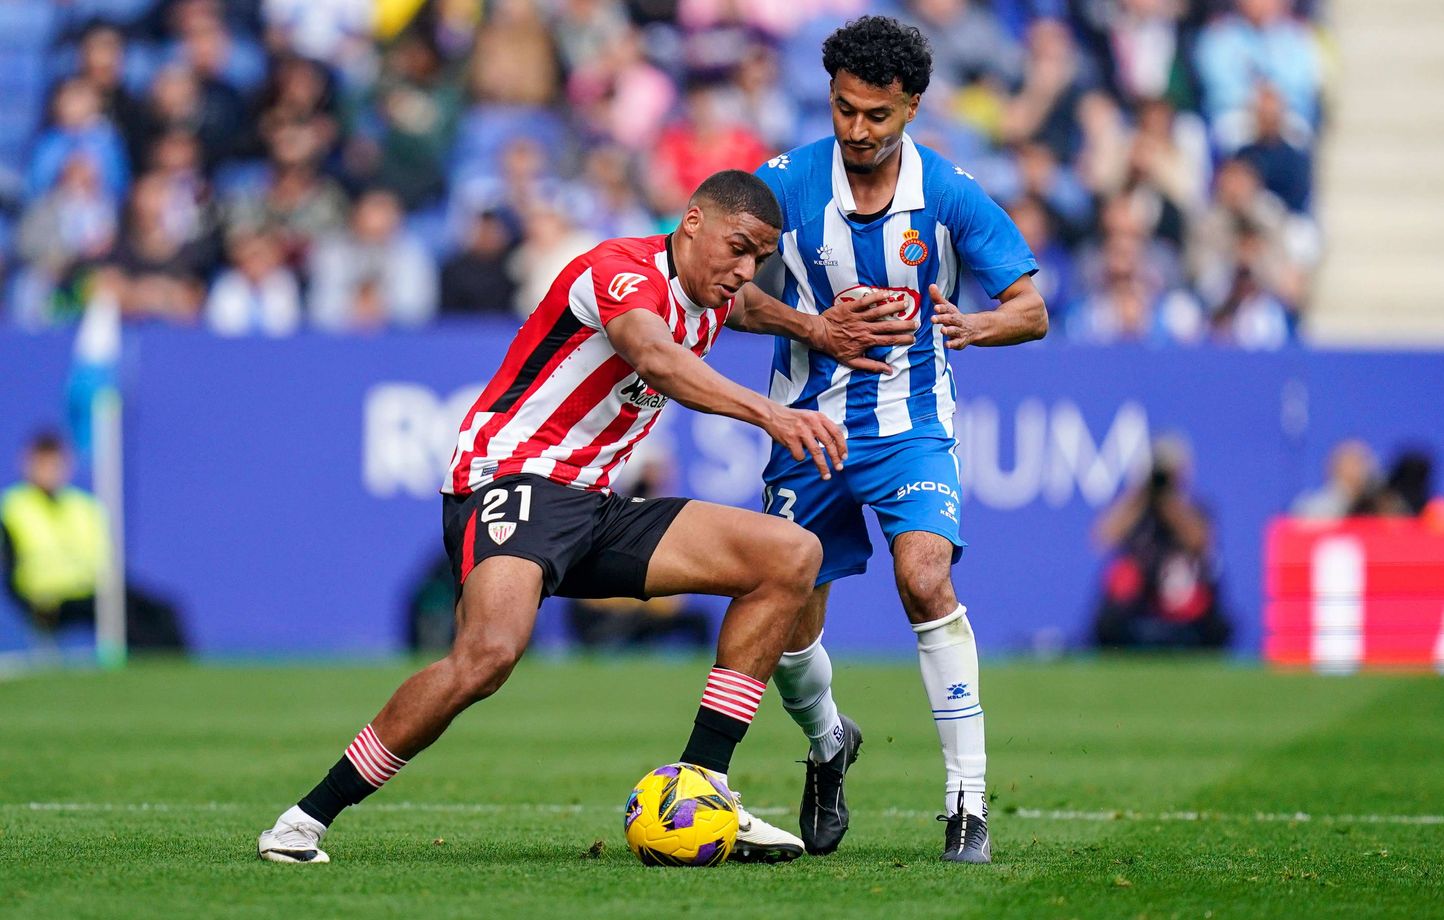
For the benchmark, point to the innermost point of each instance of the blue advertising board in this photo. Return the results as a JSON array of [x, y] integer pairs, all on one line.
[[284, 493]]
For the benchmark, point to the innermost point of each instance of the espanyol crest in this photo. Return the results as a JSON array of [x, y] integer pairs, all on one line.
[[913, 250], [500, 531]]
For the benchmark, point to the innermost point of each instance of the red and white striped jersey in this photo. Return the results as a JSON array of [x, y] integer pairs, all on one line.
[[565, 405]]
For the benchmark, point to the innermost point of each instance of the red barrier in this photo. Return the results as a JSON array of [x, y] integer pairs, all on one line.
[[1359, 593]]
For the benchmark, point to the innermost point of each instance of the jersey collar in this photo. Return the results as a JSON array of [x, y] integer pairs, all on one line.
[[668, 263], [909, 193]]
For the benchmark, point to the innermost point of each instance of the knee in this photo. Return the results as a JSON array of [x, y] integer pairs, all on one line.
[[479, 671], [927, 594], [797, 561]]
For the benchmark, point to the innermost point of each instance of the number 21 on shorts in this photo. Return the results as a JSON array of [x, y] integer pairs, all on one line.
[[493, 510]]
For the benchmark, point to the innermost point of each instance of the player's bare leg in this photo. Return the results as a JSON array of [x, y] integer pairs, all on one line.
[[767, 566], [948, 657], [494, 623], [804, 681]]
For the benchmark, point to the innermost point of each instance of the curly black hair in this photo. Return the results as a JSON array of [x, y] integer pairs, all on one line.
[[879, 50]]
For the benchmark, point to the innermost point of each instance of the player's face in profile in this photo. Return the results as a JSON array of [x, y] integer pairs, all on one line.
[[869, 120], [727, 248]]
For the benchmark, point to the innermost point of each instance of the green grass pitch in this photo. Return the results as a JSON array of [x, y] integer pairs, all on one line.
[[1120, 789]]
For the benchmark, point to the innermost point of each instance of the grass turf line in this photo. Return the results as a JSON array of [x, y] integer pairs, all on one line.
[[524, 783]]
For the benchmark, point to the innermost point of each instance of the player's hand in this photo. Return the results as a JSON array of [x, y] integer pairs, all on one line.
[[805, 432], [851, 327], [957, 326]]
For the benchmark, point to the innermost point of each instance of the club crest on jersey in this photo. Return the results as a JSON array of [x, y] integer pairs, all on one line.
[[913, 251], [625, 284], [642, 396], [500, 531]]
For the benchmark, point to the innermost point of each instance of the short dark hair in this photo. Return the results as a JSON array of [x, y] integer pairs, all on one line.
[[738, 192], [878, 50], [46, 441]]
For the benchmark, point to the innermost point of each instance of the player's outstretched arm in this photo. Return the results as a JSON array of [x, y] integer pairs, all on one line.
[[644, 341], [846, 331], [1021, 316]]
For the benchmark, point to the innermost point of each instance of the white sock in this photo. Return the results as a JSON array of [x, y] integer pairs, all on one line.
[[804, 681], [948, 657], [296, 816]]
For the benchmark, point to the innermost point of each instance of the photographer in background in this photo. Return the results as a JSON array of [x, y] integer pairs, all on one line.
[[1160, 590]]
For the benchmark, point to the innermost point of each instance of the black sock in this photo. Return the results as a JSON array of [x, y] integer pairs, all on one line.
[[342, 787], [714, 737]]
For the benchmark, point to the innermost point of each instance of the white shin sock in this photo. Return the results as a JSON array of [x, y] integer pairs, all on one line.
[[948, 657], [804, 681]]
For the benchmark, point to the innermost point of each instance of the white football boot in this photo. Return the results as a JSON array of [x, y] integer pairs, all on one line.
[[758, 841], [294, 839]]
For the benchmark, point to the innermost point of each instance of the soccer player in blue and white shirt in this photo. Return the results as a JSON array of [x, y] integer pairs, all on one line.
[[871, 209]]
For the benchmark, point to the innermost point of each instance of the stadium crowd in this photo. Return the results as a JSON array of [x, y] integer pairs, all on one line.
[[260, 166]]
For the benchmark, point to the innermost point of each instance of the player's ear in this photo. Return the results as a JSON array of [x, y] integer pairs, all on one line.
[[692, 220], [913, 106]]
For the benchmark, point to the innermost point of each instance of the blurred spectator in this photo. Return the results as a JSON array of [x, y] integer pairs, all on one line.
[[1260, 42], [1284, 163], [205, 107], [258, 294], [968, 41], [754, 98], [1041, 176], [78, 125], [1054, 79], [1127, 310], [1160, 587], [407, 122], [703, 143], [1125, 237], [1056, 279], [335, 31], [1169, 158], [620, 96], [1251, 313], [550, 239], [1143, 46], [298, 90], [164, 265], [584, 29], [55, 550], [614, 207], [477, 280], [204, 43], [1353, 475], [101, 63], [62, 235], [1411, 480], [1102, 160], [1240, 205], [375, 274], [514, 62], [296, 204]]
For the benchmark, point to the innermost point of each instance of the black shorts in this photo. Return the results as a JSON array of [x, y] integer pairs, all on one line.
[[588, 544]]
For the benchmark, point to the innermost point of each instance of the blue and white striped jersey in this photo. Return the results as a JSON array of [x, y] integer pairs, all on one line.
[[940, 218]]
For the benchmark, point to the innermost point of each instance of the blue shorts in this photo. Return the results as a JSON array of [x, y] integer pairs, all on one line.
[[911, 483]]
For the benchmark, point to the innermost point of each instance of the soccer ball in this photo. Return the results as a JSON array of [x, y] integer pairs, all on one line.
[[681, 815]]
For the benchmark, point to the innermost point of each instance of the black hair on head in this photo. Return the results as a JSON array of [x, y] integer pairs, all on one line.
[[738, 192], [878, 50], [47, 441]]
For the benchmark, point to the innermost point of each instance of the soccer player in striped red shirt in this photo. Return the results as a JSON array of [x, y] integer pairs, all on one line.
[[528, 512]]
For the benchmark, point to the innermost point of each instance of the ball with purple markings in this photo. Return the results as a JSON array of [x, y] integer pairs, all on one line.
[[681, 815]]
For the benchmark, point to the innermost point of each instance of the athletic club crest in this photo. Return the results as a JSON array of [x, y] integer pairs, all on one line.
[[914, 251], [500, 531]]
